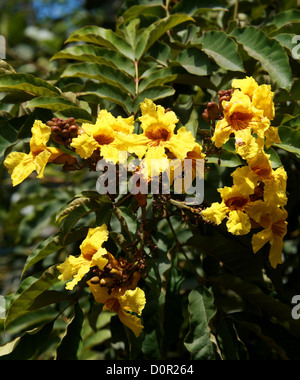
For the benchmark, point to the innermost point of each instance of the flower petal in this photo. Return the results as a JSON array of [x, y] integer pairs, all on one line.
[[84, 145], [131, 321], [40, 136], [238, 223]]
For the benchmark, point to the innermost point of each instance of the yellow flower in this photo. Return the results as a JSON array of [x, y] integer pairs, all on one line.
[[154, 163], [102, 136], [234, 205], [248, 146], [21, 165], [92, 254], [272, 137], [241, 118], [259, 171], [274, 224], [247, 85], [158, 130], [263, 100], [124, 303], [261, 96]]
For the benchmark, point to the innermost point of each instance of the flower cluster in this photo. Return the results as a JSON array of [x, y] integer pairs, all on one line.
[[257, 198], [105, 140], [21, 165], [114, 282]]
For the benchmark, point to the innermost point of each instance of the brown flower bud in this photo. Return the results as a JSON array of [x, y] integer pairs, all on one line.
[[95, 280], [73, 130], [115, 274], [106, 282], [51, 123], [58, 139], [56, 131], [65, 133], [70, 121], [205, 116], [213, 110]]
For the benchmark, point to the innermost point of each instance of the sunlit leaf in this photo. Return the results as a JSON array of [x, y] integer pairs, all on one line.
[[28, 83], [156, 30], [222, 49], [268, 52], [103, 37]]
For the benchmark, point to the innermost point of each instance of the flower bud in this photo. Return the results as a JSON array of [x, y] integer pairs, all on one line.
[[106, 282], [205, 116], [73, 130], [95, 280], [213, 110], [55, 130]]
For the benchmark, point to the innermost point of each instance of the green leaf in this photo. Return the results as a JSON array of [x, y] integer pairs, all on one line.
[[254, 295], [222, 49], [194, 61], [228, 159], [101, 56], [103, 37], [286, 40], [93, 92], [201, 310], [156, 77], [71, 342], [290, 140], [29, 346], [79, 208], [236, 254], [197, 6], [268, 52], [27, 83], [8, 137], [102, 73], [156, 30], [5, 68], [159, 52], [81, 115], [46, 248], [51, 103], [25, 300], [285, 17], [293, 95], [143, 10]]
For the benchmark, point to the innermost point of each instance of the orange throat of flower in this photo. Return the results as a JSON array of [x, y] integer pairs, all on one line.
[[113, 304], [240, 120], [158, 134]]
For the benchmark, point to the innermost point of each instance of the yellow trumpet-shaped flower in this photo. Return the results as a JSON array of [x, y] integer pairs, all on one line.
[[274, 224], [21, 165], [261, 96], [102, 136], [262, 99], [259, 171], [128, 304], [234, 206], [158, 127], [92, 254], [241, 119]]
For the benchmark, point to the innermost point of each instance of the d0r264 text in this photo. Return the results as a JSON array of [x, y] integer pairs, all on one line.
[[171, 369]]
